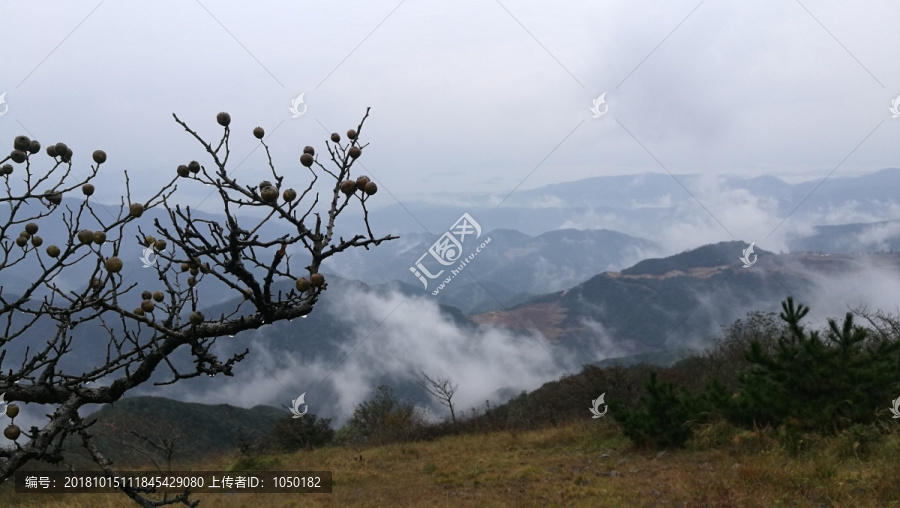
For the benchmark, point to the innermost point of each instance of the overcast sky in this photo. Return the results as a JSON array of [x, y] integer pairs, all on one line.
[[485, 97], [465, 96]]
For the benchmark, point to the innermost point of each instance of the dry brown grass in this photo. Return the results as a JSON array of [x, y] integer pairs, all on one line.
[[584, 464]]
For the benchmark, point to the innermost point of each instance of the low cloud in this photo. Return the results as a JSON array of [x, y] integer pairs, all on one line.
[[875, 237], [394, 336]]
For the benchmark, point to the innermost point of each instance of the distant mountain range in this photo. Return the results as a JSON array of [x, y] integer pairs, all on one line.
[[533, 251], [644, 205], [511, 269], [675, 302], [531, 254], [881, 236]]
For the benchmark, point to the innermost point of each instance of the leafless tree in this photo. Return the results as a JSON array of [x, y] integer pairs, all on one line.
[[442, 388], [141, 341], [884, 326]]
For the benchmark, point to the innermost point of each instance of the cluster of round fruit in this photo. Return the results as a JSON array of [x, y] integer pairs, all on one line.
[[315, 280], [54, 198], [86, 237], [195, 268], [21, 145], [362, 184], [269, 193], [354, 152], [12, 431], [29, 233], [60, 150], [185, 171], [308, 156], [157, 244], [147, 304]]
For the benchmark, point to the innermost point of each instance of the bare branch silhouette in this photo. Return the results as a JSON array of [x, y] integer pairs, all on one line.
[[39, 320], [442, 388]]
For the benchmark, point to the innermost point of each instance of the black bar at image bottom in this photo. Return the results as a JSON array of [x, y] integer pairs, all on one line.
[[259, 482]]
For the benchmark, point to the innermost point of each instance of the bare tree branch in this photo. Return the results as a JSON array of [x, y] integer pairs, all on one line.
[[442, 388], [44, 315]]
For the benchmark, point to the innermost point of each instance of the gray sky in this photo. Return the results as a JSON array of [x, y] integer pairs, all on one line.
[[465, 96]]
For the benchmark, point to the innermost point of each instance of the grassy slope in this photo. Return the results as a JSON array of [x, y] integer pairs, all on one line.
[[583, 464]]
